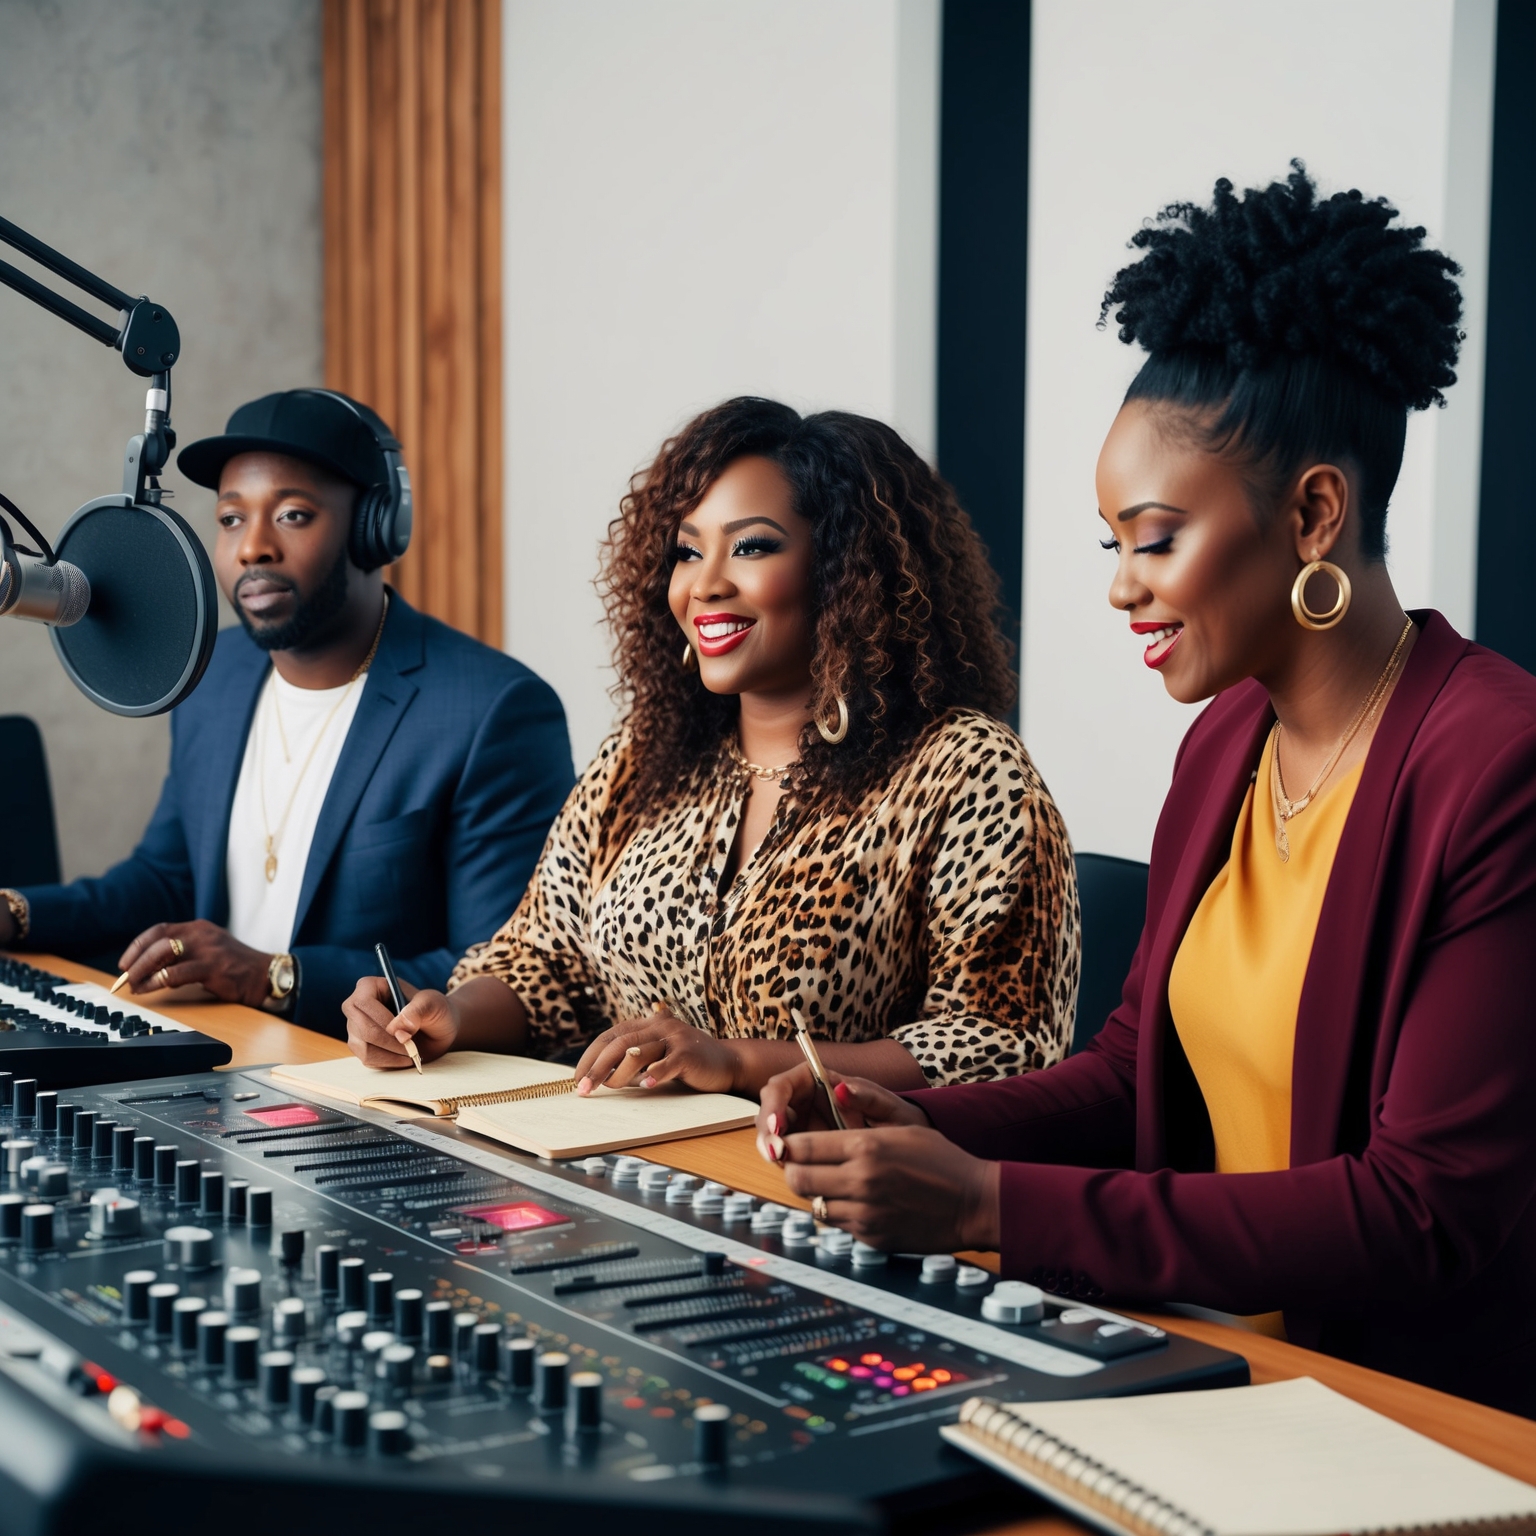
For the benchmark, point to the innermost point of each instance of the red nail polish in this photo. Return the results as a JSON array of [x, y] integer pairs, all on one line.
[[841, 1091], [773, 1125]]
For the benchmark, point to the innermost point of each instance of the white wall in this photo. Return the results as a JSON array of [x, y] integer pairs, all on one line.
[[702, 200], [173, 147], [1135, 106]]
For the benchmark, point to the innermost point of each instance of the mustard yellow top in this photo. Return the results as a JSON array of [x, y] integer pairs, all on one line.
[[1236, 980]]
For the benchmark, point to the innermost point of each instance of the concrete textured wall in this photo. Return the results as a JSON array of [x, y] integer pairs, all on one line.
[[173, 147]]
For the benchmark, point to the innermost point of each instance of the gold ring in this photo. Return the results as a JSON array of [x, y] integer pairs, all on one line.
[[819, 1209], [178, 949], [162, 980]]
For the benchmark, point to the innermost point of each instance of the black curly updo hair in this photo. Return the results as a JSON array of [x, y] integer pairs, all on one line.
[[1293, 329]]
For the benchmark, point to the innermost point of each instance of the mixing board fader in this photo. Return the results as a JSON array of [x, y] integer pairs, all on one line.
[[207, 1281]]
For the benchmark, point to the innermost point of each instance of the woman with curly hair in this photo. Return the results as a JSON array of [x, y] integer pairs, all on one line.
[[812, 810], [1314, 1104]]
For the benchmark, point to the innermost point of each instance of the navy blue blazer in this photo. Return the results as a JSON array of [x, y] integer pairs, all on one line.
[[455, 765]]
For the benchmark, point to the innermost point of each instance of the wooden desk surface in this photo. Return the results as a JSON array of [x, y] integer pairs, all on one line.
[[1500, 1440]]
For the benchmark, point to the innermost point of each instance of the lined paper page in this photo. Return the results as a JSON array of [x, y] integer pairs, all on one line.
[[1290, 1458], [458, 1075]]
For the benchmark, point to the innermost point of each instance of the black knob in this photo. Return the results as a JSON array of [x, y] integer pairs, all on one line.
[[234, 1199], [101, 1138], [324, 1418], [48, 1110], [240, 1346], [165, 1166], [351, 1327], [713, 1263], [517, 1363], [210, 1192], [276, 1371], [136, 1284], [85, 1129], [711, 1425], [10, 1217], [439, 1325], [291, 1246], [350, 1411], [303, 1385], [439, 1369], [486, 1347], [185, 1312], [327, 1270], [397, 1365], [258, 1206], [66, 1126], [24, 1097], [551, 1372], [144, 1157], [381, 1295], [162, 1299], [387, 1433], [53, 1181], [288, 1320], [188, 1178], [6, 1079], [242, 1291], [408, 1314], [464, 1325], [122, 1147], [587, 1400], [211, 1328], [36, 1228], [352, 1272]]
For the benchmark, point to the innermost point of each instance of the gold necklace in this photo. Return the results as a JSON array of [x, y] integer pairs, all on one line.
[[274, 838], [1286, 808], [757, 770]]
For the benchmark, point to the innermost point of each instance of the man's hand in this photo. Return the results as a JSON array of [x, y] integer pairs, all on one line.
[[660, 1049], [200, 952], [377, 1034], [903, 1188], [792, 1102]]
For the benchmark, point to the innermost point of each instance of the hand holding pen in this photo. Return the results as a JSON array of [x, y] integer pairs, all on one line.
[[398, 998]]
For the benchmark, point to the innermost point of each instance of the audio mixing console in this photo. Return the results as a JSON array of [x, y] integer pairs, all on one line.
[[65, 1033], [222, 1303]]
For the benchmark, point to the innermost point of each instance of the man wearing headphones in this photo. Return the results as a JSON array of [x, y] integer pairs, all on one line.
[[349, 771]]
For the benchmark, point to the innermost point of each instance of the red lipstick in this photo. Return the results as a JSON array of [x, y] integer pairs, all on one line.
[[1165, 637], [728, 631]]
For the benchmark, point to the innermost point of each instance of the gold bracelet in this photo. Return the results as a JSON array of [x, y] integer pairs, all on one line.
[[21, 912]]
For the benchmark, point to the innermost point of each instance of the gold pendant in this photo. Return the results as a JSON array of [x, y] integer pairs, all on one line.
[[271, 863], [1282, 842]]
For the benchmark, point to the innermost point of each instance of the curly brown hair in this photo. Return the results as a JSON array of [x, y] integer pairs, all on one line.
[[904, 603]]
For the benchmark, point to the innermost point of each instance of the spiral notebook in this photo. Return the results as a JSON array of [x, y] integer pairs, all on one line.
[[1290, 1458], [531, 1105]]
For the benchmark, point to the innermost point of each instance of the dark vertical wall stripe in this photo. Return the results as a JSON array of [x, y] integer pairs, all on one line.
[[983, 230], [1504, 603]]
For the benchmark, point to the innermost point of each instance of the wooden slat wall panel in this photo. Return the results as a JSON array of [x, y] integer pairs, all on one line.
[[413, 272]]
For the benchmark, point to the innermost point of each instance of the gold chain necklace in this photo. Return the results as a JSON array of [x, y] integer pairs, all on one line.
[[273, 838], [1286, 808], [757, 770]]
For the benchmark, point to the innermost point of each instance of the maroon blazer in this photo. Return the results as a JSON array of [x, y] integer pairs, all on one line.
[[1403, 1235]]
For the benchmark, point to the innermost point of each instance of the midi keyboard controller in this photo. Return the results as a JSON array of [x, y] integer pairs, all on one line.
[[221, 1302]]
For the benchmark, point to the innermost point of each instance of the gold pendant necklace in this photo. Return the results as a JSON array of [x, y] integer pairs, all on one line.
[[1286, 808], [274, 837]]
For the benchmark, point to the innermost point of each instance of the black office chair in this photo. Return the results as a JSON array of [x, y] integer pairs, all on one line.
[[1113, 893], [29, 841]]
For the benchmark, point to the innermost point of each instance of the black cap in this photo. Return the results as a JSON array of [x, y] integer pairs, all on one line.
[[306, 424]]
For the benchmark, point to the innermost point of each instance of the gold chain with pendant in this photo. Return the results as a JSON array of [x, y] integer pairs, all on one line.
[[273, 838]]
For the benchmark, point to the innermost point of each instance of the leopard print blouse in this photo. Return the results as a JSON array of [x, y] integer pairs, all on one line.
[[943, 912]]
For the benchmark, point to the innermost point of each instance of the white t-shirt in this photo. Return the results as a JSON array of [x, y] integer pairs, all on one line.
[[261, 911]]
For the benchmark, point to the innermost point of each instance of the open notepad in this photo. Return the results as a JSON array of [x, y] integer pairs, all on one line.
[[1290, 1458], [527, 1104]]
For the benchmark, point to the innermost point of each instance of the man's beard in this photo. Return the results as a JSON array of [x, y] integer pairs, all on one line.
[[311, 618]]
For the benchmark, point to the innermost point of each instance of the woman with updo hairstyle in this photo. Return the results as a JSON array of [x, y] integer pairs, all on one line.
[[812, 811], [1315, 1107]]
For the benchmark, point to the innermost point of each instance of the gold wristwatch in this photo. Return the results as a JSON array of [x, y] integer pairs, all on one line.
[[282, 977]]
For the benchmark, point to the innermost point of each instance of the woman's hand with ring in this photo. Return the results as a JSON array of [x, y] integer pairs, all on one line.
[[655, 1050], [791, 1101]]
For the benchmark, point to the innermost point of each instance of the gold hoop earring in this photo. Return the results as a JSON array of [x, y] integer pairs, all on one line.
[[1304, 615], [690, 661], [834, 737]]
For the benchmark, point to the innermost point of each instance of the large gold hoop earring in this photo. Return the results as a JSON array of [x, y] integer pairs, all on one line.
[[830, 736], [1304, 615], [690, 661]]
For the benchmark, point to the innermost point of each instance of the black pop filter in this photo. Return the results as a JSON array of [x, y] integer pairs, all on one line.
[[146, 639]]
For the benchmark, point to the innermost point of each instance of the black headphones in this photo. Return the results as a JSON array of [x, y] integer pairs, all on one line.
[[381, 524]]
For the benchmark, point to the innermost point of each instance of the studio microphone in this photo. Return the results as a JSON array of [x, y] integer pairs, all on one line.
[[56, 594]]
